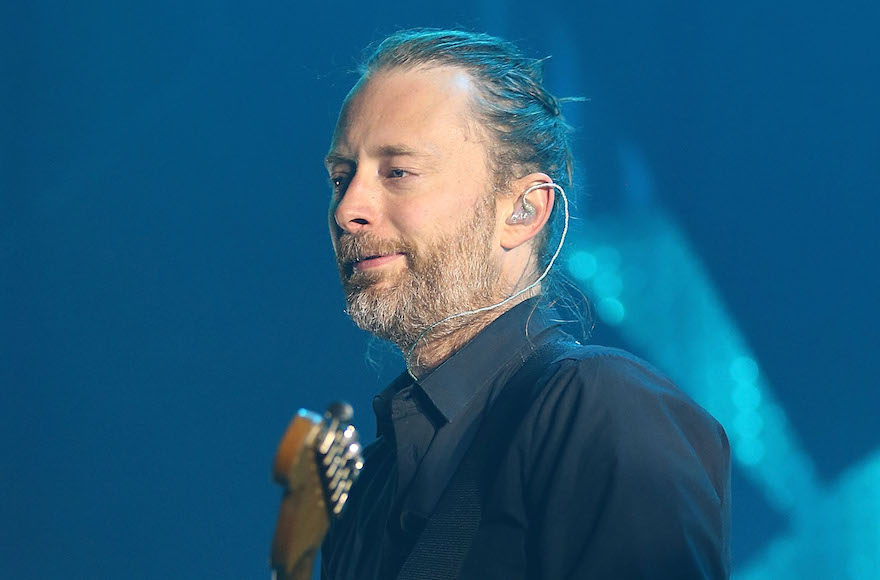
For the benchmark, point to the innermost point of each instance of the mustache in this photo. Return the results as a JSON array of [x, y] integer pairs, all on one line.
[[354, 248]]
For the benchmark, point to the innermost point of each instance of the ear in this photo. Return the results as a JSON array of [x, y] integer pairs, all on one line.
[[523, 218]]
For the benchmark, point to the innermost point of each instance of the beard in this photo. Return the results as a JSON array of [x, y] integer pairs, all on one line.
[[455, 273]]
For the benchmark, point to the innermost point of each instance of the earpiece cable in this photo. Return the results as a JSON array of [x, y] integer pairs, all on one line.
[[512, 296]]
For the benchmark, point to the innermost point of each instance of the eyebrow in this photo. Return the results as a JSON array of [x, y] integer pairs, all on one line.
[[335, 157]]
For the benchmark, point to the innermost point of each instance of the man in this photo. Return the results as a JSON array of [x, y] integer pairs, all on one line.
[[507, 450]]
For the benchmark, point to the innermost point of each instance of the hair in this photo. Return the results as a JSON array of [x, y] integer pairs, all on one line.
[[519, 115]]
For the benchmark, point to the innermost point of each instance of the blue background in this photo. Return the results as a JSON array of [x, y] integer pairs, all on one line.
[[167, 288]]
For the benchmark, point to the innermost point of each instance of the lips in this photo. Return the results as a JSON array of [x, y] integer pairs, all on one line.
[[374, 261], [362, 252]]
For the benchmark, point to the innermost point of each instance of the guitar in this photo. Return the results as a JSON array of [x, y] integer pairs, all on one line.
[[317, 462]]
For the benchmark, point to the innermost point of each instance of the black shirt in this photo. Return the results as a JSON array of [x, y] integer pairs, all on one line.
[[613, 472]]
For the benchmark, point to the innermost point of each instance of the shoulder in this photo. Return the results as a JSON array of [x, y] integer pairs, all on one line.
[[611, 453], [615, 374], [609, 402], [609, 382]]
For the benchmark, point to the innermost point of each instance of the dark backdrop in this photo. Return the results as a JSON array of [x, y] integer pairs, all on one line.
[[168, 292]]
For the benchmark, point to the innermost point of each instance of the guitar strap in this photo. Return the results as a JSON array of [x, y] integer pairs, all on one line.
[[448, 534]]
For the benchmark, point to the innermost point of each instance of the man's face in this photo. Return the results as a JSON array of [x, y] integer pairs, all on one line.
[[413, 218]]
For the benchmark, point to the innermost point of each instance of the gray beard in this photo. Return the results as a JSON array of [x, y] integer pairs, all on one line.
[[454, 275]]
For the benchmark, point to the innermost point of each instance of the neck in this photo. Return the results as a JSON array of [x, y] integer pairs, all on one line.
[[446, 338]]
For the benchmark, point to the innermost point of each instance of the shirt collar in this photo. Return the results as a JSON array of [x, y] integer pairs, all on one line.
[[505, 342], [382, 403]]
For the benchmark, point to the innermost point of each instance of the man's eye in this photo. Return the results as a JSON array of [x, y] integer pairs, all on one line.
[[337, 182], [397, 173]]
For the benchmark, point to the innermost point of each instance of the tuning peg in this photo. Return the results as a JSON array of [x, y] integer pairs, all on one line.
[[341, 411]]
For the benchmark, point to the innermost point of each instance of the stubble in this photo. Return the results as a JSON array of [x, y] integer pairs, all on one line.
[[455, 274]]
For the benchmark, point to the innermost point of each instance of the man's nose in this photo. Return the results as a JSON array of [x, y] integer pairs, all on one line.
[[357, 210]]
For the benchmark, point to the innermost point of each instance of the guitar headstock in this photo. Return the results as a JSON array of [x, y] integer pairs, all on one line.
[[317, 462]]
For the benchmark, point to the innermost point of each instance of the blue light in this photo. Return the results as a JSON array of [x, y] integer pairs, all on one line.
[[608, 258], [748, 424], [744, 369], [746, 397], [582, 265], [607, 285], [749, 451], [611, 311], [861, 566]]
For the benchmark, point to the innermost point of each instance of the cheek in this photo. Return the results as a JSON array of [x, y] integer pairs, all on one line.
[[443, 209], [420, 221], [333, 229]]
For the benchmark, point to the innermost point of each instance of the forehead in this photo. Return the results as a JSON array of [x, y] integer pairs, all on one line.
[[421, 108]]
